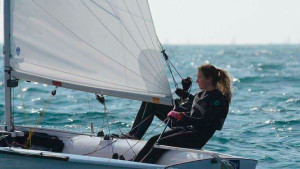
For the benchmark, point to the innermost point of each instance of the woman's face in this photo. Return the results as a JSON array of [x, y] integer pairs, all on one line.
[[202, 82]]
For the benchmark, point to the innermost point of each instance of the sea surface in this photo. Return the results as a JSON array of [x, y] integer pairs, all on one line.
[[264, 118]]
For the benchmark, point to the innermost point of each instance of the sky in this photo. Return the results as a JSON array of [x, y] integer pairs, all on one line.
[[223, 21]]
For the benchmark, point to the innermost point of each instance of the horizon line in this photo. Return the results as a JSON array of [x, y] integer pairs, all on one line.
[[230, 44], [222, 44]]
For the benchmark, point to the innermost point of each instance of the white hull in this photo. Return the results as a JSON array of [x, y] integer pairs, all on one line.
[[78, 147], [32, 159]]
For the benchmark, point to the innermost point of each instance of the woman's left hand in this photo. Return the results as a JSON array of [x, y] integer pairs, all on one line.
[[175, 115]]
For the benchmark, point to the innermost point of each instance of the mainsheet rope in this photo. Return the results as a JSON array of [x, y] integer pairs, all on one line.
[[39, 119], [101, 99]]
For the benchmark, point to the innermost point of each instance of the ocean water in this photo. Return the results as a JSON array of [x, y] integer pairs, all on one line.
[[264, 118]]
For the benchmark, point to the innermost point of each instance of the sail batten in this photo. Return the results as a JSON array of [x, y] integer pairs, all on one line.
[[107, 46]]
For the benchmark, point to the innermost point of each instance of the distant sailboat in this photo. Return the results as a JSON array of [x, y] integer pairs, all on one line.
[[108, 47]]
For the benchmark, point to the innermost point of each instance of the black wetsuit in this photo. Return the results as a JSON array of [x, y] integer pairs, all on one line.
[[206, 115]]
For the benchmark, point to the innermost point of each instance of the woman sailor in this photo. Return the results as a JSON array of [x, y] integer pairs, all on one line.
[[207, 114]]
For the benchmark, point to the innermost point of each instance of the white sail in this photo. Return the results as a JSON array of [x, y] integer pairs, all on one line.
[[100, 46]]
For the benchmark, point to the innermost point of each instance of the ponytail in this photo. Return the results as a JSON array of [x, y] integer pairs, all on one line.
[[220, 78], [224, 83]]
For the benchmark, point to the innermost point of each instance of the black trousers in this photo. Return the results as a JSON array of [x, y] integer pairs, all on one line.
[[146, 115], [177, 137]]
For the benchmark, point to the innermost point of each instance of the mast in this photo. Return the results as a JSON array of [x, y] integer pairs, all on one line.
[[7, 69]]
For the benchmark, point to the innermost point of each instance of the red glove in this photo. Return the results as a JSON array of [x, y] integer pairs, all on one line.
[[175, 115]]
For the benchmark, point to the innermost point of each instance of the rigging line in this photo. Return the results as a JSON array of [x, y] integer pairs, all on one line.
[[2, 122], [34, 128], [126, 116], [24, 108], [102, 131], [90, 117], [148, 30], [108, 126], [127, 141], [43, 111], [103, 120], [105, 110], [109, 113], [4, 136], [93, 46], [88, 99], [16, 143], [164, 78], [146, 135], [174, 81], [169, 67], [86, 78], [101, 147], [50, 99], [119, 138], [137, 28], [170, 61], [13, 108], [175, 69], [118, 39]]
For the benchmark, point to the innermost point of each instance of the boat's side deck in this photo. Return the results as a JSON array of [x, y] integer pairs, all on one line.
[[62, 160]]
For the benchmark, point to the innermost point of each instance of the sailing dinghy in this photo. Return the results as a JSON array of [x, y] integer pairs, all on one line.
[[108, 47]]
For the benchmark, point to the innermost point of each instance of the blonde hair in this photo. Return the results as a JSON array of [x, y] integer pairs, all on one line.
[[220, 78]]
